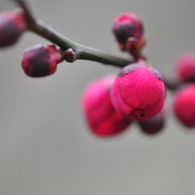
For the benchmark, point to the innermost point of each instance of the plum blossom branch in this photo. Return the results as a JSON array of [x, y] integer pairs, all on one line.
[[75, 51], [72, 50]]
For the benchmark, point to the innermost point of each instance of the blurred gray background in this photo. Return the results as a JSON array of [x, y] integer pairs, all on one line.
[[46, 147]]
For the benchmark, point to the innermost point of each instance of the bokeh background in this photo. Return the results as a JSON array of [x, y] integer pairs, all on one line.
[[46, 147]]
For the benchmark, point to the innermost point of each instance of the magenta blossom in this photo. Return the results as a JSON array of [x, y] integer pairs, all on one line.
[[138, 92], [12, 25], [39, 61], [98, 110], [128, 31], [184, 105]]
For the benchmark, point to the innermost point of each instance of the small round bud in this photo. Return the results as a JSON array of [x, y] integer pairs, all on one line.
[[185, 67], [70, 55], [184, 105], [39, 61], [154, 125], [98, 110], [128, 31], [12, 25], [138, 92]]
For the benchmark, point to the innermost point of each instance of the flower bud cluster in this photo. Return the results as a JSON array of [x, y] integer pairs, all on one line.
[[137, 94], [184, 98], [110, 104], [37, 61]]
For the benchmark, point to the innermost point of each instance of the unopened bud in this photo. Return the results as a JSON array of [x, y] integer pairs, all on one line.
[[128, 31], [98, 110], [185, 67], [12, 25], [154, 125], [184, 105], [39, 61], [138, 92]]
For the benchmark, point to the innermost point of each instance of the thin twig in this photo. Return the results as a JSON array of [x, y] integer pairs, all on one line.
[[81, 51]]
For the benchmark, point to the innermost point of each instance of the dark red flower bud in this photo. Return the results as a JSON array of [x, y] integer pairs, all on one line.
[[138, 92], [98, 110], [12, 25], [185, 67], [184, 105], [128, 30], [39, 61], [154, 125]]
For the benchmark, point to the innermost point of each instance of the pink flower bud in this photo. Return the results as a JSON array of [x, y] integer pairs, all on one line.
[[185, 67], [98, 110], [39, 61], [138, 92], [184, 105], [128, 31], [154, 125], [12, 25]]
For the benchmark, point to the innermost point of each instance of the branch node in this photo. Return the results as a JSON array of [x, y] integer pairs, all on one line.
[[70, 55]]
